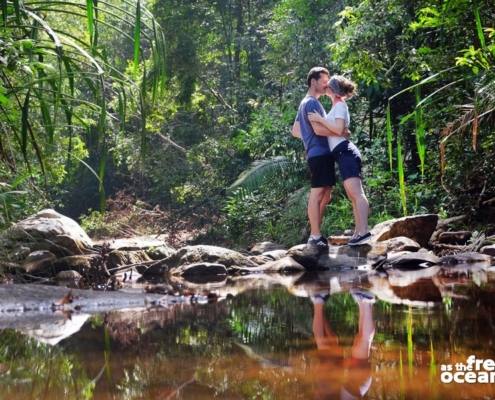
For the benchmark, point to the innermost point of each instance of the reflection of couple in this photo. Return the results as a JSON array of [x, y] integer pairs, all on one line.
[[336, 375], [325, 141]]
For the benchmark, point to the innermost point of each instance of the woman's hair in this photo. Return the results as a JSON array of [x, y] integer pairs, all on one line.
[[342, 86]]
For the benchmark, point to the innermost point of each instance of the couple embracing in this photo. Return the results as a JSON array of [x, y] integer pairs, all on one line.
[[325, 138]]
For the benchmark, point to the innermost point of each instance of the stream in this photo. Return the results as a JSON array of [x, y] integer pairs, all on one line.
[[324, 335]]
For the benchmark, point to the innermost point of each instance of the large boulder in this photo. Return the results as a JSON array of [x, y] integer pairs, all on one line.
[[49, 230], [209, 254], [416, 227]]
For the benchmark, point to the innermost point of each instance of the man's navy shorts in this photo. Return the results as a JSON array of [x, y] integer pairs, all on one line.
[[322, 169], [348, 158]]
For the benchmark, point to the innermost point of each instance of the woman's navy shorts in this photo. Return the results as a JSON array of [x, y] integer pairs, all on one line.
[[348, 158]]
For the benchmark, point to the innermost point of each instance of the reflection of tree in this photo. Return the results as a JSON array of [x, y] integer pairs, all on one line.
[[30, 369]]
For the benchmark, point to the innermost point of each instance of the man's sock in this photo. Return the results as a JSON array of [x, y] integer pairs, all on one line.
[[315, 236]]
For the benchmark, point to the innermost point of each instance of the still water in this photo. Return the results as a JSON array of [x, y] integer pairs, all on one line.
[[322, 336]]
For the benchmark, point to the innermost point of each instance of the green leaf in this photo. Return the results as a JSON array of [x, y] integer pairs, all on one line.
[[389, 136], [45, 115], [90, 21], [137, 35], [24, 124], [479, 27], [17, 9], [420, 131], [400, 170], [258, 171], [4, 12]]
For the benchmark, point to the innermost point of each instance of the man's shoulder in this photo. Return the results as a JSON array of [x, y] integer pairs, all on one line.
[[310, 103]]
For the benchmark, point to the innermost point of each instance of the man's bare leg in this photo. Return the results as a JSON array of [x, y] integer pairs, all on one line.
[[324, 202], [314, 203]]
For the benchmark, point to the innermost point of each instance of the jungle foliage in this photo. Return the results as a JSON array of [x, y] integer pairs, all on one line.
[[189, 104]]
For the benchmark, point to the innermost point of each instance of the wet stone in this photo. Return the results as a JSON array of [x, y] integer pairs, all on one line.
[[263, 247]]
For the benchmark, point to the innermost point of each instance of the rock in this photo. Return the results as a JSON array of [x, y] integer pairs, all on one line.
[[160, 252], [416, 227], [466, 258], [68, 275], [274, 255], [119, 258], [488, 250], [401, 278], [201, 272], [209, 254], [306, 256], [263, 247], [260, 260], [132, 243], [406, 259], [336, 257], [417, 294], [38, 261], [155, 247], [52, 231], [20, 253], [339, 240], [400, 243], [286, 264], [53, 330], [459, 237], [76, 263], [283, 265]]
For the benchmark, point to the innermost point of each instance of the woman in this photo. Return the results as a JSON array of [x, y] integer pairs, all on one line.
[[346, 153]]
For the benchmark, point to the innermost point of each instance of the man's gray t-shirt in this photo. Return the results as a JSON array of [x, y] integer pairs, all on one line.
[[315, 145]]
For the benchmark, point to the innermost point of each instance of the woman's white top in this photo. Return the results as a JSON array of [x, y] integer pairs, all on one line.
[[339, 110]]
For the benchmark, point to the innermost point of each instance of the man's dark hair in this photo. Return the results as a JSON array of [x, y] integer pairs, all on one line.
[[315, 72]]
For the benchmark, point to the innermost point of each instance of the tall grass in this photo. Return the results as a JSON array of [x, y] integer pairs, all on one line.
[[76, 79], [400, 171], [420, 131], [390, 135]]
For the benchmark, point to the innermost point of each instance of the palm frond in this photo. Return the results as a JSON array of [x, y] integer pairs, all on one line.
[[260, 170]]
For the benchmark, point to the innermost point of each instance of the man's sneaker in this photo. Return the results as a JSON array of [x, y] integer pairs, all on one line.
[[319, 298], [359, 239], [321, 243]]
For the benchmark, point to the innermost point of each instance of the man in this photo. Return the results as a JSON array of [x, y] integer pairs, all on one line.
[[319, 157]]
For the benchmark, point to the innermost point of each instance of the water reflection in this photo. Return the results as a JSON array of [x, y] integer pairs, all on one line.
[[325, 336], [355, 367]]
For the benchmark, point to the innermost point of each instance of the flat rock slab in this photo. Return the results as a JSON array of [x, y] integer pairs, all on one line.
[[133, 243], [43, 298]]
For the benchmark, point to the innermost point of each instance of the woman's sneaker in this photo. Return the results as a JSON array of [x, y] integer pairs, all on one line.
[[359, 239]]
